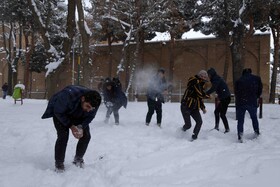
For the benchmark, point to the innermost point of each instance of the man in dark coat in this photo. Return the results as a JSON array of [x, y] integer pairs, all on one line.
[[5, 90], [220, 87], [114, 99], [73, 108], [248, 89], [156, 89], [192, 102]]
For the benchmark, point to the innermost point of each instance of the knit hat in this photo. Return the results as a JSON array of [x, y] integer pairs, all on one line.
[[203, 73]]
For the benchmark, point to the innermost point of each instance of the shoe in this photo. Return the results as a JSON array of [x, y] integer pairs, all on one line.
[[106, 120], [159, 124], [147, 124], [59, 167], [257, 133], [185, 127], [216, 128], [79, 162], [226, 131], [240, 138], [194, 137], [117, 123]]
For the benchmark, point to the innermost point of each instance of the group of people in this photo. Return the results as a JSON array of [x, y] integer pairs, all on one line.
[[75, 107], [247, 91]]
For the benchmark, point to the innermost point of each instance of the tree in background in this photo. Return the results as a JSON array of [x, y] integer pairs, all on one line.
[[14, 18], [233, 21], [274, 24]]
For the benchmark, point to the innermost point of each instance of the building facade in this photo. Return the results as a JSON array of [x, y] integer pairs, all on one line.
[[181, 59]]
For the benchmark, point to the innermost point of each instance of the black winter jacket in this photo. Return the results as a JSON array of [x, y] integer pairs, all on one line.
[[218, 85], [155, 89], [66, 106], [248, 88]]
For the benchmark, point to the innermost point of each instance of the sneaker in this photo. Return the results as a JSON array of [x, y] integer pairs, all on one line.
[[106, 120], [194, 137], [159, 124], [79, 162], [59, 167], [185, 127], [226, 131], [240, 138], [257, 133], [147, 124]]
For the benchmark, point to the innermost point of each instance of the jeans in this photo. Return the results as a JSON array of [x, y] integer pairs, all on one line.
[[195, 114], [4, 94], [62, 139], [240, 111], [115, 110], [152, 107]]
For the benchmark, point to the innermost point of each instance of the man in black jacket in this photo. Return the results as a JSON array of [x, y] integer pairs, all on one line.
[[248, 89], [114, 98], [5, 90], [220, 87], [155, 96], [72, 108], [192, 102]]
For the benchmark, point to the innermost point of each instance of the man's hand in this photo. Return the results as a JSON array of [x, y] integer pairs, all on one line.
[[204, 111], [77, 131], [109, 104]]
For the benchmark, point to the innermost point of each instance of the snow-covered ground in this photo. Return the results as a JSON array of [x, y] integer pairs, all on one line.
[[138, 155]]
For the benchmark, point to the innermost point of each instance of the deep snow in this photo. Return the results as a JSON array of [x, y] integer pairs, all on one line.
[[137, 155]]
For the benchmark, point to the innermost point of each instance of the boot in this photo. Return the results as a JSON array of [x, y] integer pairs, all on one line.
[[59, 167], [79, 162]]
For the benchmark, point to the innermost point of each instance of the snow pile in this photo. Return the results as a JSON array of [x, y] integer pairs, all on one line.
[[137, 155]]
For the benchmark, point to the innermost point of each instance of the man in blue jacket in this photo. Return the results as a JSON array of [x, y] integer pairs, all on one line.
[[73, 108], [248, 89], [220, 87]]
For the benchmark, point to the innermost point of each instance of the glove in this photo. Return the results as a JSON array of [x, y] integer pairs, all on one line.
[[109, 104], [204, 111], [77, 131]]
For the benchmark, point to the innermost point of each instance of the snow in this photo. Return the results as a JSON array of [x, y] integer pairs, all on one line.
[[138, 155], [165, 36], [19, 85]]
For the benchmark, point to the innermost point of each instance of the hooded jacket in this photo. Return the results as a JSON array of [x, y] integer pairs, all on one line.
[[218, 85]]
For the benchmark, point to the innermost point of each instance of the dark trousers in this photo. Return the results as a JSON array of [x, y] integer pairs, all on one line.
[[5, 94], [115, 110], [221, 111], [240, 112], [152, 107], [195, 114], [62, 139]]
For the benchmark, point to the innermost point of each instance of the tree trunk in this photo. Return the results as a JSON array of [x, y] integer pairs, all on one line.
[[227, 53], [110, 55], [237, 52], [171, 58], [275, 33], [86, 66]]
